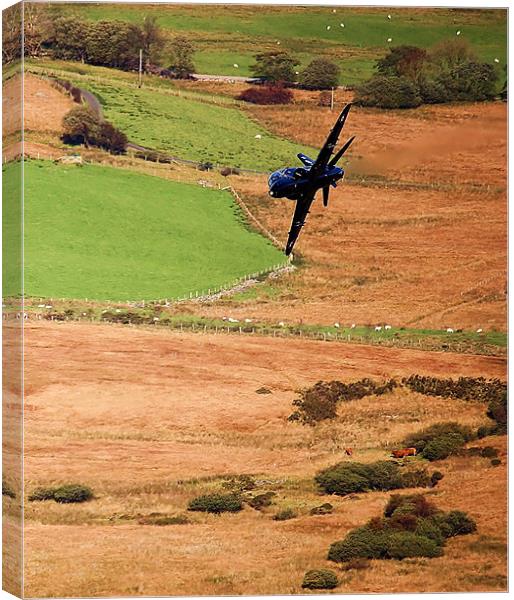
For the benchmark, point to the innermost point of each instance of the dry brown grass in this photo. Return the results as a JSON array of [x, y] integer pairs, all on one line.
[[150, 419]]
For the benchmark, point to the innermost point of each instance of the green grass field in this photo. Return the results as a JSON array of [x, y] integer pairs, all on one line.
[[192, 126], [225, 35], [110, 234], [11, 229]]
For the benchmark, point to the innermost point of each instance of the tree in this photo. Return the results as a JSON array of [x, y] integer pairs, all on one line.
[[152, 40], [68, 38], [388, 92], [320, 74], [11, 33], [113, 44], [111, 139], [274, 66], [182, 51], [81, 125], [403, 61], [447, 54], [470, 81], [36, 28]]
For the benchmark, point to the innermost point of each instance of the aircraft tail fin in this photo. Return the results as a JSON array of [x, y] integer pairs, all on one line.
[[308, 162]]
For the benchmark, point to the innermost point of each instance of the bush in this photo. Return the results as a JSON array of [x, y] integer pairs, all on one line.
[[496, 462], [411, 527], [433, 91], [64, 494], [435, 478], [421, 438], [261, 500], [285, 515], [205, 166], [388, 92], [489, 452], [111, 139], [415, 477], [319, 74], [417, 504], [322, 579], [81, 125], [406, 545], [351, 477], [359, 543], [216, 503], [68, 494], [457, 523], [441, 447], [323, 509], [269, 94]]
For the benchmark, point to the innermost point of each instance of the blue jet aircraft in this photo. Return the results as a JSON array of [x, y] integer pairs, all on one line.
[[302, 183]]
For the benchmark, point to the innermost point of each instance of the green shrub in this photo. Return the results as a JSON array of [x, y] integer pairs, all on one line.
[[433, 91], [352, 477], [362, 542], [284, 515], [489, 452], [216, 503], [415, 477], [417, 504], [111, 139], [428, 527], [457, 523], [81, 125], [487, 430], [68, 494], [421, 438], [496, 462], [441, 447], [406, 545], [323, 509], [322, 579], [470, 82], [64, 494], [261, 500], [466, 388], [388, 91]]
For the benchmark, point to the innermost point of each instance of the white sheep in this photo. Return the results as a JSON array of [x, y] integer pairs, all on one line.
[[258, 136], [480, 330], [378, 328], [458, 32], [389, 39], [337, 325], [328, 27], [450, 330], [387, 327], [342, 25], [236, 66], [231, 320], [282, 324], [248, 320], [354, 326]]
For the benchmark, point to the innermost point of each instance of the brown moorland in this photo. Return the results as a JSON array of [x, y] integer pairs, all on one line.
[[150, 419]]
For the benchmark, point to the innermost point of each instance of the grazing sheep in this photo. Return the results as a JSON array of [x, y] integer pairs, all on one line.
[[378, 328], [248, 320], [480, 330], [231, 320], [354, 326], [337, 325], [450, 330], [387, 327], [282, 324]]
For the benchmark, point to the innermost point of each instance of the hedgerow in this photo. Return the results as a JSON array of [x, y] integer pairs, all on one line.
[[63, 494], [216, 503]]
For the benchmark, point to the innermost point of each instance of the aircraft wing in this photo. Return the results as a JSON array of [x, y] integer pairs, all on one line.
[[326, 152], [300, 214]]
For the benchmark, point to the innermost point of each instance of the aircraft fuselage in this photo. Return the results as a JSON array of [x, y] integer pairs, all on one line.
[[293, 182]]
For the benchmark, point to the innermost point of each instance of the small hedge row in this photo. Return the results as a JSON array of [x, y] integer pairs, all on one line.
[[411, 526], [216, 503], [351, 477], [320, 401], [439, 440]]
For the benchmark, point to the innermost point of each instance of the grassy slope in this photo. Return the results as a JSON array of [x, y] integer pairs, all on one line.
[[188, 125], [103, 233], [11, 229], [225, 35]]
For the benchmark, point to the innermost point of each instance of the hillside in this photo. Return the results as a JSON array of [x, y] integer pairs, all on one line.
[[107, 234], [151, 419], [228, 35]]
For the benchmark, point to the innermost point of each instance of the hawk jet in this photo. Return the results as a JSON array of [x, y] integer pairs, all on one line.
[[301, 183]]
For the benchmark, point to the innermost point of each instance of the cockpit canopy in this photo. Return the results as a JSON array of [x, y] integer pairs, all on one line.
[[290, 173]]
